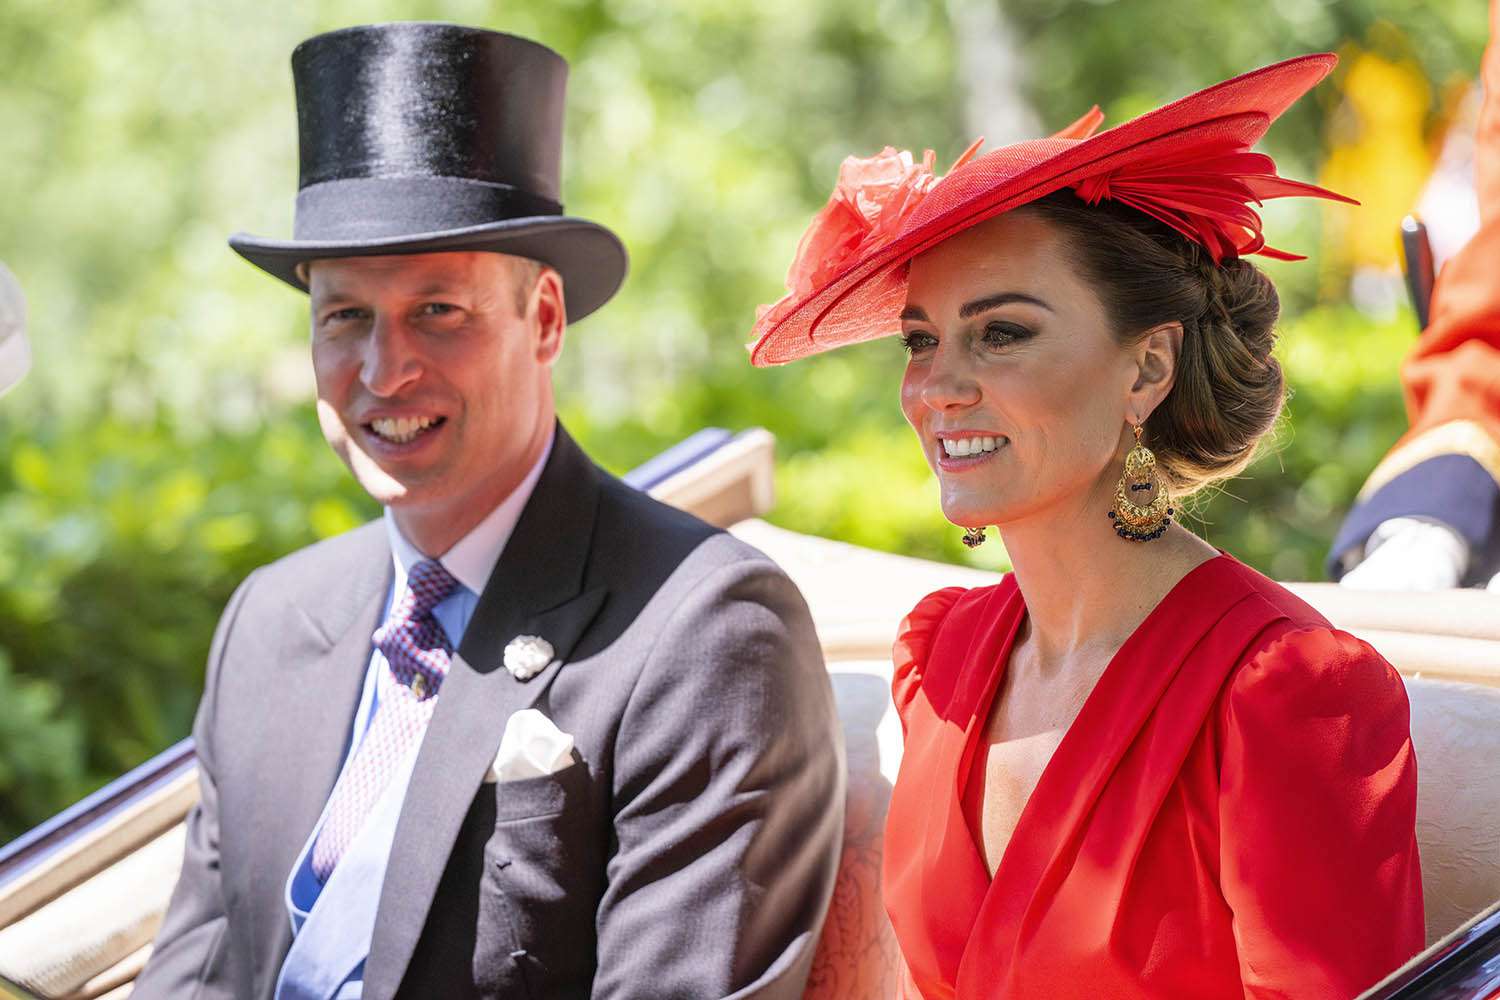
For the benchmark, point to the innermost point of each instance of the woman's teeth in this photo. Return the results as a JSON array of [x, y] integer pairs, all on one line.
[[960, 447], [400, 430]]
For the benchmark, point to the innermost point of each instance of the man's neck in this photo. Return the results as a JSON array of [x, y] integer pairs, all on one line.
[[433, 533], [435, 530]]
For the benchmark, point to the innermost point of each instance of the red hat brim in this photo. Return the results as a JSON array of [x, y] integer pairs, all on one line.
[[863, 300]]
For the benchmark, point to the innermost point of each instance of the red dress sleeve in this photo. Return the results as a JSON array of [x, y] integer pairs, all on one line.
[[913, 641], [1317, 808]]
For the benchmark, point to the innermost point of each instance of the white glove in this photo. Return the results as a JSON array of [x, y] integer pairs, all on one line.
[[15, 353], [1411, 553]]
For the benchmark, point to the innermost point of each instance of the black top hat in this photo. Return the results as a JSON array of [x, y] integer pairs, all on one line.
[[421, 138]]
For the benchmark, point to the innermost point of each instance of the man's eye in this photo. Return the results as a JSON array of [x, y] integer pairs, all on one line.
[[437, 309], [916, 340], [350, 314]]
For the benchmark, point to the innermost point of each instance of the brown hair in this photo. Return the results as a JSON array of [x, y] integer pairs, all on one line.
[[1228, 390], [526, 273]]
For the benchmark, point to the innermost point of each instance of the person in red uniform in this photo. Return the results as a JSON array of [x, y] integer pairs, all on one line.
[[1428, 517], [1135, 767]]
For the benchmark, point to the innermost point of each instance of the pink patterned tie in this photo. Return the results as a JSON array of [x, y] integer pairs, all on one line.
[[417, 651]]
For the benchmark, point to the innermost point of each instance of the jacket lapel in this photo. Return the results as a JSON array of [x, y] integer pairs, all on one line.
[[309, 710], [535, 589]]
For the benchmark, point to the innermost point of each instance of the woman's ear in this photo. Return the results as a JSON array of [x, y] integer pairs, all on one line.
[[1155, 357]]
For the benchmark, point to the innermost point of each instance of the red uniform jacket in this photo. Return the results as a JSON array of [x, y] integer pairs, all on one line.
[[1447, 466]]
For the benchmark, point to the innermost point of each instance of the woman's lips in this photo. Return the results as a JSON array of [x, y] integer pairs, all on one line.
[[968, 450], [967, 462]]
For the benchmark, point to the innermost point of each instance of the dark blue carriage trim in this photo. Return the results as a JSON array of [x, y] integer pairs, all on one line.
[[34, 846], [1465, 965], [683, 455]]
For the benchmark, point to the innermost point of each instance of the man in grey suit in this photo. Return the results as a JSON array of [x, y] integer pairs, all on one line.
[[534, 734]]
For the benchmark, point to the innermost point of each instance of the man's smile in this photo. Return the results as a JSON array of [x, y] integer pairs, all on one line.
[[387, 434], [402, 430]]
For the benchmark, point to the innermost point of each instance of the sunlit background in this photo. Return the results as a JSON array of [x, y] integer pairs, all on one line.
[[164, 445]]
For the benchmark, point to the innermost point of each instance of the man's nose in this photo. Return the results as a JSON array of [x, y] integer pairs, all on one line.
[[391, 359]]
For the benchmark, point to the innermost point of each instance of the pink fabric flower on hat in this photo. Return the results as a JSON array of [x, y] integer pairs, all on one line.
[[874, 197], [870, 204]]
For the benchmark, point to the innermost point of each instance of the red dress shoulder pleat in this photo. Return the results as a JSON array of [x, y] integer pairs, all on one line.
[[913, 641]]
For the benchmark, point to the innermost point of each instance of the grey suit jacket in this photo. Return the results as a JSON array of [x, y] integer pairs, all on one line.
[[690, 853]]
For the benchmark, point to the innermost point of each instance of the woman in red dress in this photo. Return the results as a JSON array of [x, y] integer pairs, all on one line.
[[1135, 767]]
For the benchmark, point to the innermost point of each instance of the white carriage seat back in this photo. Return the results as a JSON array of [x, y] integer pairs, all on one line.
[[1455, 729]]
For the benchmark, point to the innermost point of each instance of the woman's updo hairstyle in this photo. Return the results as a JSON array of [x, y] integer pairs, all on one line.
[[1228, 389]]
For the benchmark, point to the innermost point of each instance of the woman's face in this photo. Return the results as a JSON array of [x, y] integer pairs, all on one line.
[[1016, 386]]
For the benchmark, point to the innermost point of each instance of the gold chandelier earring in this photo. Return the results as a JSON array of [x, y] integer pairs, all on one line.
[[1133, 521], [974, 537]]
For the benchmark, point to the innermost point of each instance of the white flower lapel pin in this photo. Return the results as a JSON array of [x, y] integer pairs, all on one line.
[[527, 655]]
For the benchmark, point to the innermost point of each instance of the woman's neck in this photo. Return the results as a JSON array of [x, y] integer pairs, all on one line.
[[1085, 588]]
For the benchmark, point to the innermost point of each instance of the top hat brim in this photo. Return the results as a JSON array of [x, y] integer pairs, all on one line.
[[590, 258]]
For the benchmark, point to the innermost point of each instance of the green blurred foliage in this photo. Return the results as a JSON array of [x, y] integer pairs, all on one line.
[[164, 445], [119, 543], [1345, 412]]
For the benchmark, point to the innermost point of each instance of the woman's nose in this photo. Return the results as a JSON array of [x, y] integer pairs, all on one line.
[[391, 360], [948, 384]]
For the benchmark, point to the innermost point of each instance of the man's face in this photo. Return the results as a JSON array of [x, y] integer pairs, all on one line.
[[434, 378]]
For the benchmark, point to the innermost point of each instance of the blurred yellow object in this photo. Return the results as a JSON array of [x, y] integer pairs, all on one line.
[[1379, 154]]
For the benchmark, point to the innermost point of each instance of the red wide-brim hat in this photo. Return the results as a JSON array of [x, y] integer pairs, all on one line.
[[1188, 164]]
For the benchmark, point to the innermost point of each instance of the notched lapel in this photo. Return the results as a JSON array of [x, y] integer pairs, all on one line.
[[565, 624], [335, 593]]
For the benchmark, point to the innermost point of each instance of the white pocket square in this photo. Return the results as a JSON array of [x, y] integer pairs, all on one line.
[[531, 747]]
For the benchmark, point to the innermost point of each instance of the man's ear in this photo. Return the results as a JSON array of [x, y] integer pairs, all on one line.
[[1155, 357], [551, 312]]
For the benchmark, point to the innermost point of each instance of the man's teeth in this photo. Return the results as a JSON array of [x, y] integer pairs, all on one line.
[[401, 429], [960, 447]]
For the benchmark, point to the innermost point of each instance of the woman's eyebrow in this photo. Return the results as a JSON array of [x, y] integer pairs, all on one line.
[[915, 313], [978, 306]]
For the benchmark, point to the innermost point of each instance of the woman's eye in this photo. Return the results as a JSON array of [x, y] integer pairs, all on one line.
[[1004, 333], [916, 340]]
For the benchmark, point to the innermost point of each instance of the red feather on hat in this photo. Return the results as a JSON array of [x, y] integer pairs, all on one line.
[[1206, 194]]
